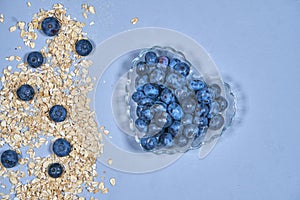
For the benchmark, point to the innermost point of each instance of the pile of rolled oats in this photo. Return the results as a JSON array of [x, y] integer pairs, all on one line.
[[63, 79]]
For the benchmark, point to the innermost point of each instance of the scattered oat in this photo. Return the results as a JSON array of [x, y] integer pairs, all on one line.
[[12, 28], [84, 15], [110, 161], [91, 9], [106, 132], [28, 4], [134, 20], [92, 23], [112, 181], [1, 18], [18, 58], [10, 58]]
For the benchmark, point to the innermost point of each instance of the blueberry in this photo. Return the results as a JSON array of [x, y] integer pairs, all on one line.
[[182, 68], [25, 92], [167, 96], [55, 170], [61, 147], [50, 26], [141, 124], [169, 121], [175, 111], [202, 130], [146, 114], [151, 90], [9, 158], [151, 58], [139, 110], [173, 62], [161, 103], [175, 128], [141, 68], [146, 101], [203, 96], [149, 143], [166, 139], [83, 47], [35, 59], [137, 96], [203, 121], [58, 113], [197, 84]]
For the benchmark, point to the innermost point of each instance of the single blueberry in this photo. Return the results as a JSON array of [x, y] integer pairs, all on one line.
[[61, 147], [197, 84], [175, 111], [167, 96], [166, 139], [151, 58], [35, 59], [162, 104], [146, 114], [202, 130], [57, 113], [151, 90], [55, 170], [202, 110], [169, 121], [203, 121], [50, 26], [146, 101], [149, 143], [203, 96], [137, 96], [173, 62], [141, 68], [83, 47], [141, 124], [139, 110], [25, 92], [182, 68], [175, 128], [222, 102], [9, 158]]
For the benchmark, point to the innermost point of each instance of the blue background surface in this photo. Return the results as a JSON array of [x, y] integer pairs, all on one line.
[[256, 46]]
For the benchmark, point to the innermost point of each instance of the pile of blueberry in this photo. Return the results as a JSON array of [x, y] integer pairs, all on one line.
[[174, 106], [50, 26]]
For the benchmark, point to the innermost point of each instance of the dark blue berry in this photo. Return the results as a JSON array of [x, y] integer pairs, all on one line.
[[146, 114], [35, 59], [182, 68], [161, 103], [197, 84], [25, 92], [146, 101], [137, 96], [203, 96], [151, 58], [175, 128], [166, 139], [9, 158], [202, 110], [173, 62], [141, 124], [83, 47], [167, 96], [50, 26], [55, 170], [58, 113], [201, 131], [139, 110], [175, 111], [203, 121], [149, 143], [61, 147], [151, 90], [169, 121]]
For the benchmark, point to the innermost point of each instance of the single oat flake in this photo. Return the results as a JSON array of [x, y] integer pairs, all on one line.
[[134, 20]]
